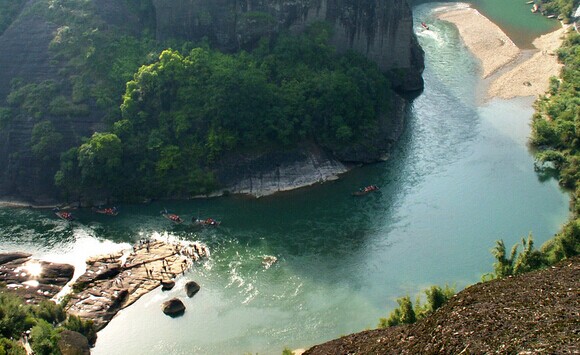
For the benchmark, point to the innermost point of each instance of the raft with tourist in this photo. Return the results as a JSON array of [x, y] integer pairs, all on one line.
[[172, 217], [207, 222], [365, 190], [109, 211], [67, 216]]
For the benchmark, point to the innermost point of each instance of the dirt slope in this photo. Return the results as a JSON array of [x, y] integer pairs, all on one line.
[[534, 313]]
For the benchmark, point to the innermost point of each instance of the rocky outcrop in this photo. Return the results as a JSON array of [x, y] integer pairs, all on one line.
[[24, 53], [167, 285], [25, 57], [380, 30], [275, 171], [282, 170], [390, 127], [174, 307], [33, 280], [101, 293]]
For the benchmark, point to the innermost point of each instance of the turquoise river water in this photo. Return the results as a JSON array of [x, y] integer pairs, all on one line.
[[460, 178]]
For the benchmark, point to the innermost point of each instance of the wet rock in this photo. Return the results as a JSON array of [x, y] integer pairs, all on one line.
[[268, 261], [167, 285], [174, 307], [119, 300], [58, 274], [106, 287], [191, 288], [32, 279], [7, 257]]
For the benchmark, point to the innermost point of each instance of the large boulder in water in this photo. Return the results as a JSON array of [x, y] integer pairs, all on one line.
[[191, 288], [167, 284], [174, 307]]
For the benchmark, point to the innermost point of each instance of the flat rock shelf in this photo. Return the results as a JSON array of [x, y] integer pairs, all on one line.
[[115, 281]]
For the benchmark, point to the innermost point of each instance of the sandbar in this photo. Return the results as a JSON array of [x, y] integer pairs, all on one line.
[[511, 72]]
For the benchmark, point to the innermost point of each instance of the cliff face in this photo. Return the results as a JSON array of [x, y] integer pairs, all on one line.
[[380, 30], [277, 171]]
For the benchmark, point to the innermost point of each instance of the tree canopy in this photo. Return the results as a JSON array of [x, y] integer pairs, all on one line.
[[183, 112]]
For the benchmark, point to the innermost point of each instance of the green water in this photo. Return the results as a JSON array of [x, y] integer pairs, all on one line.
[[516, 19], [460, 178], [512, 16]]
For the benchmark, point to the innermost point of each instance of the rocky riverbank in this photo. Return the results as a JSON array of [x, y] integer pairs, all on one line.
[[33, 280], [111, 282], [115, 281]]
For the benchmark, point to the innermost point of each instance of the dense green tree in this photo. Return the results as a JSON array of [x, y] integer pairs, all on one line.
[[526, 260], [50, 312], [11, 347], [99, 160], [182, 113], [33, 99], [408, 313], [45, 321], [563, 8], [46, 141], [503, 265], [529, 258], [68, 177], [14, 316], [436, 296], [404, 314], [44, 338], [85, 327]]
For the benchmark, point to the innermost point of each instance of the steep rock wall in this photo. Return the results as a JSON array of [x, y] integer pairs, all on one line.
[[381, 30], [268, 173]]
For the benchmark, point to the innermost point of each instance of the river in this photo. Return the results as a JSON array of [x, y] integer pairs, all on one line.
[[460, 178]]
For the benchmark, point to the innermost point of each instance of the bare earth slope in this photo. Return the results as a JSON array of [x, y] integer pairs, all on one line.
[[538, 312]]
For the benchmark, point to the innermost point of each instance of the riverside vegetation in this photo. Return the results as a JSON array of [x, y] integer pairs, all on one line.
[[45, 321], [556, 136]]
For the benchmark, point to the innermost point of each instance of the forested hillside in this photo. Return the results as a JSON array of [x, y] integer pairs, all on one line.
[[97, 102], [183, 112]]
